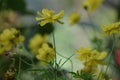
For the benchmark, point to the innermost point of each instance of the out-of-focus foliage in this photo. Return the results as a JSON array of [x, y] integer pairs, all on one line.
[[16, 5]]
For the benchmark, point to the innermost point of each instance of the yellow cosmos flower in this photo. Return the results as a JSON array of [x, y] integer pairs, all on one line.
[[89, 54], [7, 35], [47, 16], [74, 18], [91, 5], [91, 58], [84, 53], [111, 28], [36, 42], [46, 53], [9, 38], [98, 55], [11, 35], [88, 67]]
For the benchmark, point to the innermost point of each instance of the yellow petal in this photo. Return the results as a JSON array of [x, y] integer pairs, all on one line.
[[59, 15], [102, 56], [42, 23], [38, 18], [47, 13]]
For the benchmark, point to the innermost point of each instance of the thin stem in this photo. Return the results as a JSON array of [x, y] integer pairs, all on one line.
[[26, 62], [60, 22], [19, 67], [99, 75], [109, 61], [110, 56], [55, 56], [66, 61], [113, 37]]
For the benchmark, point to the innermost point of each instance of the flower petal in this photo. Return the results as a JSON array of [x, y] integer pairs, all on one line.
[[59, 15]]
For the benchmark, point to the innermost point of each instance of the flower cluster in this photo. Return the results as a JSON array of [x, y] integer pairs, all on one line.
[[111, 28], [43, 49], [47, 16], [91, 58], [9, 38]]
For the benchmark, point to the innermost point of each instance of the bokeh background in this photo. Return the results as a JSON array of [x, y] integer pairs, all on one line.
[[21, 14]]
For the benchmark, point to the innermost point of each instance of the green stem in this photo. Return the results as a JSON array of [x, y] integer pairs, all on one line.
[[19, 67], [55, 56], [113, 37], [99, 75], [66, 61], [110, 55], [60, 22], [27, 63]]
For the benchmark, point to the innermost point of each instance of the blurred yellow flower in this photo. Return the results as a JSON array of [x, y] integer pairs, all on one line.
[[97, 55], [47, 16], [84, 53], [91, 5], [111, 28], [88, 67], [6, 35], [12, 35], [5, 46], [87, 53], [36, 42], [46, 53], [74, 18], [91, 58], [9, 39]]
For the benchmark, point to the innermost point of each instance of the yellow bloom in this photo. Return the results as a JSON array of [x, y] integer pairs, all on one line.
[[88, 67], [36, 42], [46, 53], [91, 5], [102, 55], [111, 28], [84, 53], [9, 38], [6, 35], [47, 16], [74, 18], [97, 55], [5, 46], [12, 35], [17, 36], [91, 58], [89, 54], [95, 60]]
